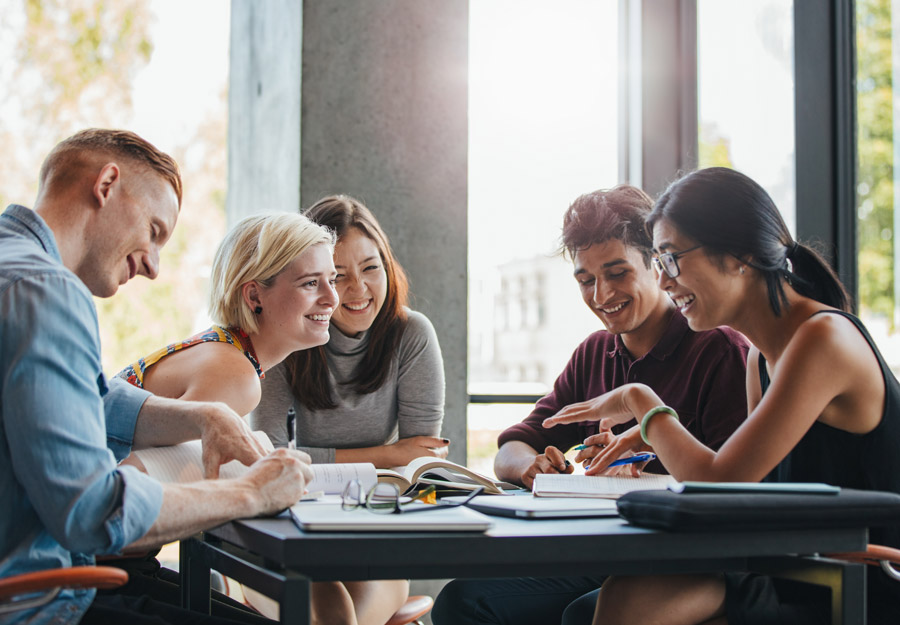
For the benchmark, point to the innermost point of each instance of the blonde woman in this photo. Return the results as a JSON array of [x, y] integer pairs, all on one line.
[[272, 293]]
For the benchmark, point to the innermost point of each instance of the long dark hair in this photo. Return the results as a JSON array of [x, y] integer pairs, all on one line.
[[308, 368], [730, 214]]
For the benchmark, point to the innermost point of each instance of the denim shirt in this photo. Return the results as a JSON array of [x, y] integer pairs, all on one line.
[[62, 429]]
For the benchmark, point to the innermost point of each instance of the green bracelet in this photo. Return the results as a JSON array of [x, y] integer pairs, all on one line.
[[653, 411]]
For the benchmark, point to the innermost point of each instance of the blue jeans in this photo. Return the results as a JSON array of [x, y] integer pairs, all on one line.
[[517, 601]]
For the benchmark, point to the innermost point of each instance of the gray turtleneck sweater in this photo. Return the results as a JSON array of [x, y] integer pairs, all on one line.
[[409, 403]]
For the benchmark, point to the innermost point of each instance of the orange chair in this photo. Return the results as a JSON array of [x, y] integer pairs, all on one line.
[[877, 555], [412, 611], [30, 590]]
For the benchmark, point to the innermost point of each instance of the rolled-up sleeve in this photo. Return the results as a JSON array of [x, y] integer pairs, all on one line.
[[121, 406], [55, 419]]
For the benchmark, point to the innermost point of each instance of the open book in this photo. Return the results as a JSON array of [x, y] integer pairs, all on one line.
[[609, 487], [445, 475], [183, 463]]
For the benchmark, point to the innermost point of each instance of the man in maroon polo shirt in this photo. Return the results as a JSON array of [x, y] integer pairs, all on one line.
[[700, 374]]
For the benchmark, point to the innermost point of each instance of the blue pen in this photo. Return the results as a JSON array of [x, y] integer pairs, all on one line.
[[580, 447], [632, 459]]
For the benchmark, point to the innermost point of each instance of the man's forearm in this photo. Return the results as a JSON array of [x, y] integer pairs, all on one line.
[[272, 484], [512, 460], [164, 421], [191, 508]]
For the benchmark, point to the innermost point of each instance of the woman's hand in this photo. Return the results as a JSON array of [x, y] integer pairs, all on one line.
[[620, 405], [406, 450], [606, 447]]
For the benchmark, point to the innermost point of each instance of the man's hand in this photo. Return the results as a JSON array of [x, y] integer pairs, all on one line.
[[280, 479], [225, 436], [272, 484], [551, 461]]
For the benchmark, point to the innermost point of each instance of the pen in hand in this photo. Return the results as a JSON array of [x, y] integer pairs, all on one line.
[[291, 428], [645, 457]]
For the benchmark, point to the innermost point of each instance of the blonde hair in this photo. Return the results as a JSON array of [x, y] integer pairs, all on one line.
[[257, 249]]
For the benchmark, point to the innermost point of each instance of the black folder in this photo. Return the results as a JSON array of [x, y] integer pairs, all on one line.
[[718, 512]]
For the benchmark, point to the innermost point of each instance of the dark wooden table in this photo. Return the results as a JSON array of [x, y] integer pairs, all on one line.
[[274, 557]]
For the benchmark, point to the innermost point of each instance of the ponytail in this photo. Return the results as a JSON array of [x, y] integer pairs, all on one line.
[[730, 214], [812, 276]]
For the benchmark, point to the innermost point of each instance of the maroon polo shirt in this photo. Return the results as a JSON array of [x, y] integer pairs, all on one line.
[[699, 374]]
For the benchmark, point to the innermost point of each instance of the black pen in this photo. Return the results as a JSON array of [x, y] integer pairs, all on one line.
[[291, 428]]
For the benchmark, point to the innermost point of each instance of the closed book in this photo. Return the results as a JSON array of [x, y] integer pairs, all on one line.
[[608, 487]]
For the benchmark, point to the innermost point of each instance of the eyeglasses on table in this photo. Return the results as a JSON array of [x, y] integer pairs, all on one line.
[[384, 498]]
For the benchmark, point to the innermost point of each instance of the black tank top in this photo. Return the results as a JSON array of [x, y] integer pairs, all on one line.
[[868, 461]]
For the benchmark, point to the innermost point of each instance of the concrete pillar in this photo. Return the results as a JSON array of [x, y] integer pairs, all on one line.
[[368, 99], [385, 120], [264, 107]]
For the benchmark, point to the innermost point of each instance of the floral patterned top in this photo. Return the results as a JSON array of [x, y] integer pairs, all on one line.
[[134, 373]]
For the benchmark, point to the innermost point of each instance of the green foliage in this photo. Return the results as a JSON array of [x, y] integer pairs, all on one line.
[[74, 64], [86, 53], [715, 150], [875, 190]]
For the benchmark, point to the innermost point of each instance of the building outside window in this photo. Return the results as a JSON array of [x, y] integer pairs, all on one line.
[[542, 131]]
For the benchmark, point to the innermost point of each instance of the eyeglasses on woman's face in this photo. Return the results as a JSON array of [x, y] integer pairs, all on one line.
[[668, 262], [385, 498]]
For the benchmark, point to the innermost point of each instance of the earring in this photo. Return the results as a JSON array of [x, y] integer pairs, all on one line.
[[258, 309], [742, 272]]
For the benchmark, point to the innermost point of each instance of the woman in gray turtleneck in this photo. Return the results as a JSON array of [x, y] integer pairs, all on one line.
[[375, 392]]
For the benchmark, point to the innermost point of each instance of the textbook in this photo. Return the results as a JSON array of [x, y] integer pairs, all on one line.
[[608, 487], [443, 474], [183, 463]]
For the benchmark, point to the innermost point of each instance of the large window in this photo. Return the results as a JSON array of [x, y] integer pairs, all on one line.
[[542, 131], [746, 93], [877, 217]]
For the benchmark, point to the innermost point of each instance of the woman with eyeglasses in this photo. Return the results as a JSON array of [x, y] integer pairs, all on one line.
[[823, 405], [375, 392]]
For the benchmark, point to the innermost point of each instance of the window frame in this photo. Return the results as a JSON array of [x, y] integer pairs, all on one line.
[[657, 59]]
